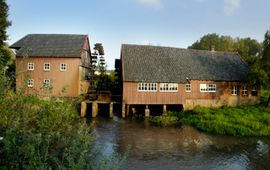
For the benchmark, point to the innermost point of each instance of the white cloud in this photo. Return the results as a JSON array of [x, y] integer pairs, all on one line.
[[152, 3], [230, 6]]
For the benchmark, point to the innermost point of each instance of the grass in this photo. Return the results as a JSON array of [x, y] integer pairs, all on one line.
[[236, 121]]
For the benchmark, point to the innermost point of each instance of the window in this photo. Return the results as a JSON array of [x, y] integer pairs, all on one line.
[[47, 66], [254, 91], [30, 66], [46, 82], [244, 91], [30, 83], [208, 87], [63, 67], [234, 90], [148, 87], [168, 87], [188, 87]]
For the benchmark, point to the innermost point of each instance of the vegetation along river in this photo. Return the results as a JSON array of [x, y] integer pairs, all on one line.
[[151, 147]]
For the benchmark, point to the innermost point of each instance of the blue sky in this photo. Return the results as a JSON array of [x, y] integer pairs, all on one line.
[[176, 23]]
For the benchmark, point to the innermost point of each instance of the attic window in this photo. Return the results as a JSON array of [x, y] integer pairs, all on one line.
[[168, 87], [208, 88], [147, 87]]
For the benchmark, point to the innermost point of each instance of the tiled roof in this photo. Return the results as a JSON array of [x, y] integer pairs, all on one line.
[[50, 45], [144, 63]]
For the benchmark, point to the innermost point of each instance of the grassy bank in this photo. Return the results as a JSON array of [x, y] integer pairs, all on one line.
[[236, 121]]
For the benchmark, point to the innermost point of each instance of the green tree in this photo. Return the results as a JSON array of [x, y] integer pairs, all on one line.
[[4, 23], [266, 59], [246, 47]]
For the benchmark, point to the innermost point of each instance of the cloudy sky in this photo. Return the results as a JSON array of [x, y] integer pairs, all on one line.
[[176, 23]]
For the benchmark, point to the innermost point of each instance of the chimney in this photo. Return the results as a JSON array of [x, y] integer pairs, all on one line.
[[212, 48]]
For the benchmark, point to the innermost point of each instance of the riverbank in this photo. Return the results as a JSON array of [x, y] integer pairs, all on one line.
[[236, 121]]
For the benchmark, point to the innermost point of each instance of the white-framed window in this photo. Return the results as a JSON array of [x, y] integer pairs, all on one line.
[[30, 82], [47, 66], [168, 87], [188, 87], [147, 87], [208, 88], [244, 91], [63, 67], [234, 90], [30, 66], [46, 82], [254, 91]]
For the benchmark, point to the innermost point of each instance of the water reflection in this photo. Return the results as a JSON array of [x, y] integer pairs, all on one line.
[[152, 147]]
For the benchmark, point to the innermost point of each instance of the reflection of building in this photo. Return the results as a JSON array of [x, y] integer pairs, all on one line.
[[59, 61], [166, 76]]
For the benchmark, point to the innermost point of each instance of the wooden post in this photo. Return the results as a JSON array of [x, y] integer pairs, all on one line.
[[83, 109], [146, 112], [164, 110], [123, 110], [94, 109], [111, 110], [127, 109]]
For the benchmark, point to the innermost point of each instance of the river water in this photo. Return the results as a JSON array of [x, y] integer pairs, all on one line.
[[150, 147]]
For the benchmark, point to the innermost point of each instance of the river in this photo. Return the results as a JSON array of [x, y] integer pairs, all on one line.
[[150, 147]]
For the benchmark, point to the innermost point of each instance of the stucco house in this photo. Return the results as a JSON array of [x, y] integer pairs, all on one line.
[[154, 76], [53, 64]]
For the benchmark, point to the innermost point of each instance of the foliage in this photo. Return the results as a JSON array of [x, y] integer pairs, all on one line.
[[41, 134], [4, 23], [246, 47], [266, 60], [164, 120], [238, 121]]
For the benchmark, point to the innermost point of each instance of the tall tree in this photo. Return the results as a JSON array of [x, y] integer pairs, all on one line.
[[5, 54], [4, 22], [266, 59]]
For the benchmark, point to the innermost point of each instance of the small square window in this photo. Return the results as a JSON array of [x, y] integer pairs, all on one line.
[[47, 66], [30, 83], [63, 67], [234, 90], [30, 66], [244, 91], [46, 82]]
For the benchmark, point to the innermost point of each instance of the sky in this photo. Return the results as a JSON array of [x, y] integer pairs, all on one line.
[[173, 23]]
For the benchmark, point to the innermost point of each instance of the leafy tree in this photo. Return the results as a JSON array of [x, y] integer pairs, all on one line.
[[246, 47], [266, 59], [4, 23]]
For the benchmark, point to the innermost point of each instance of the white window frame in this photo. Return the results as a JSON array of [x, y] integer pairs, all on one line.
[[46, 82], [168, 87], [31, 66], [30, 83], [234, 90], [211, 88], [47, 68], [188, 88], [63, 67], [147, 87], [244, 91]]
